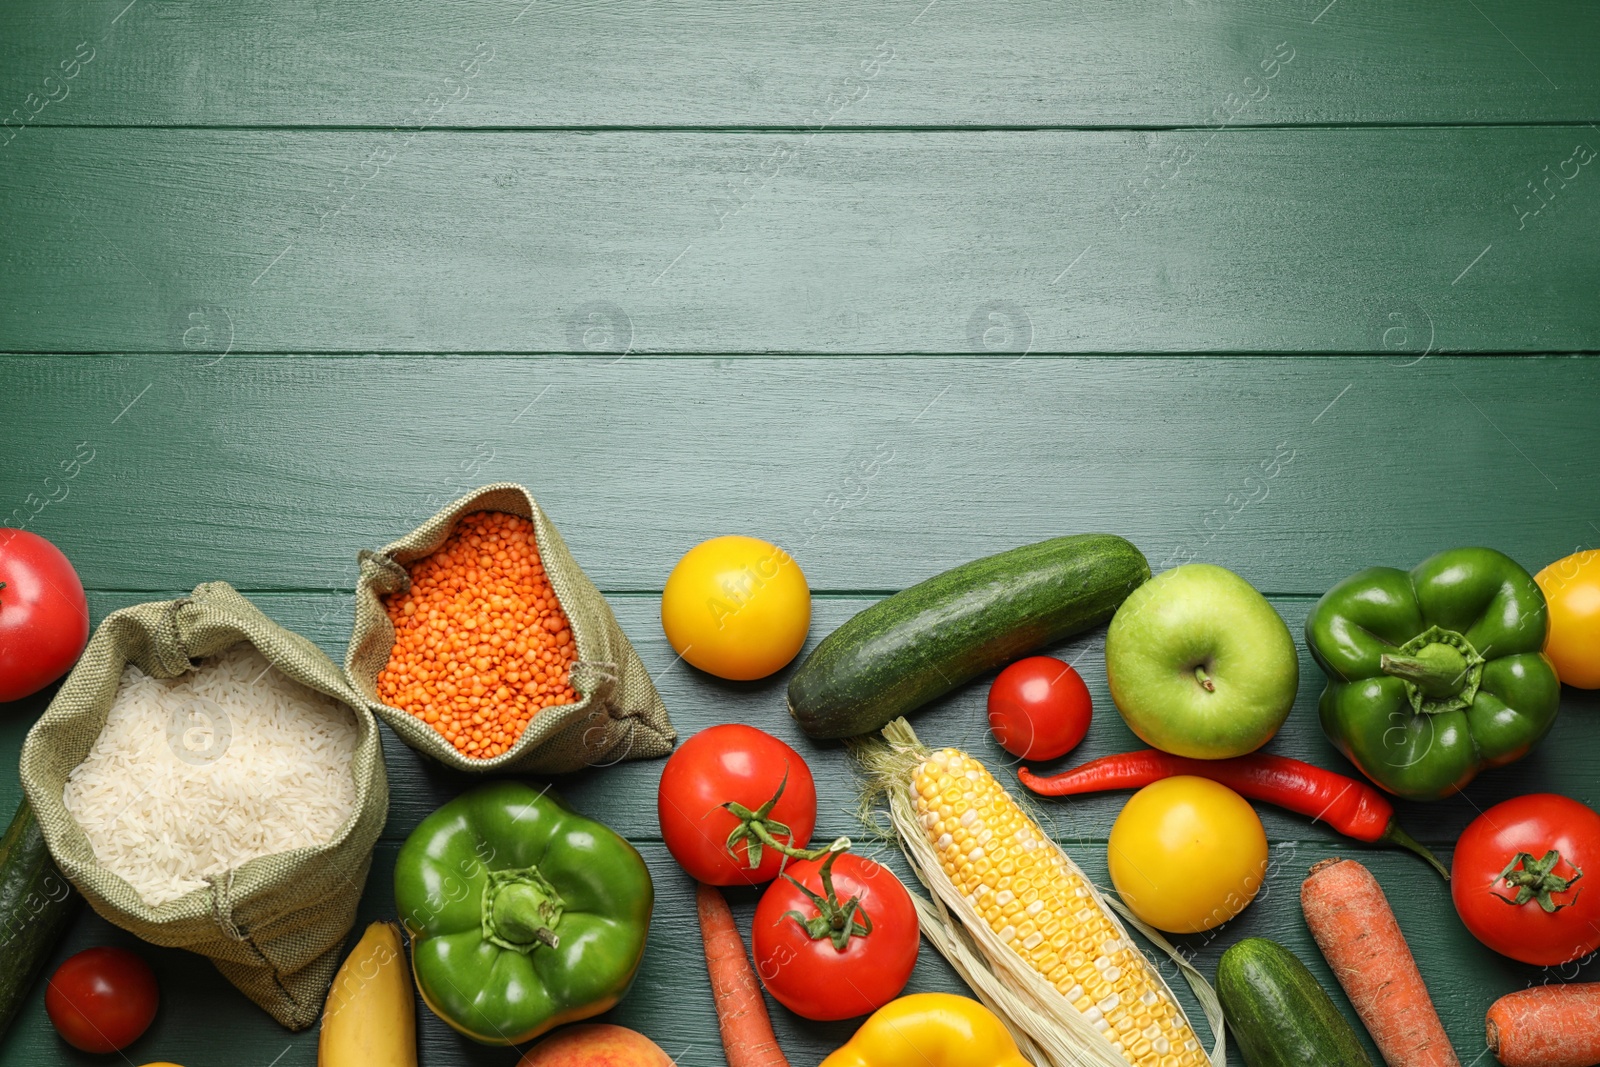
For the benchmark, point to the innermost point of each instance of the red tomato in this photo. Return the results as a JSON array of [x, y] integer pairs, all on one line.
[[1502, 851], [102, 999], [811, 977], [44, 618], [735, 763], [1039, 708]]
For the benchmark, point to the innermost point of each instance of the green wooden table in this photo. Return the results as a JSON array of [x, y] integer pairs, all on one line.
[[296, 273]]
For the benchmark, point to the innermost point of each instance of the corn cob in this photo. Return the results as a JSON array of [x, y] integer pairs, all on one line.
[[1046, 933]]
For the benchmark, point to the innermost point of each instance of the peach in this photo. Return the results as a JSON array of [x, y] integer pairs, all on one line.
[[596, 1045]]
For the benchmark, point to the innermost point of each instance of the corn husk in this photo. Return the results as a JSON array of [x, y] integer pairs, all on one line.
[[1048, 1029]]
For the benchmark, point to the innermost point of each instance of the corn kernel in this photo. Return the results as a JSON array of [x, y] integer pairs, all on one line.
[[1031, 898]]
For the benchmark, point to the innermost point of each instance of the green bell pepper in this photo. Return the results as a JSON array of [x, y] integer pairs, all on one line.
[[523, 915], [1435, 674]]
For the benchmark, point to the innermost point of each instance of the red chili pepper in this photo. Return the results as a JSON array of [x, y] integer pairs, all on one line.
[[1354, 808]]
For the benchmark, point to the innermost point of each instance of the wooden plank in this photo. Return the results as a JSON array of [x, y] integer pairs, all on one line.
[[624, 795], [272, 473], [909, 63], [1396, 242], [671, 1001]]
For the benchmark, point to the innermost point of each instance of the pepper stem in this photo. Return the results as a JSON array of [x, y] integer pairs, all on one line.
[[1438, 670], [521, 910], [1536, 880], [837, 922], [1204, 678], [757, 829], [1394, 834]]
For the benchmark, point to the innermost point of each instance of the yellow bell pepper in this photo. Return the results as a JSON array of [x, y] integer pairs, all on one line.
[[930, 1030]]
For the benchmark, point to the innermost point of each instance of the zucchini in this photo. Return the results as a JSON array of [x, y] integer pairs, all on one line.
[[1279, 1014], [36, 902], [923, 642]]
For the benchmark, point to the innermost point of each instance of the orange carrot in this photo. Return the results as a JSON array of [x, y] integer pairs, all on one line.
[[1547, 1026], [747, 1037], [1358, 934]]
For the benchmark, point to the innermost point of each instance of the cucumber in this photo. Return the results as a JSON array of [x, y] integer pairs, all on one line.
[[1278, 1013], [36, 902], [923, 642]]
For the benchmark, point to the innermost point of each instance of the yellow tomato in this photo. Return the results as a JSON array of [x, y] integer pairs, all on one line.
[[736, 607], [1572, 589], [1187, 854]]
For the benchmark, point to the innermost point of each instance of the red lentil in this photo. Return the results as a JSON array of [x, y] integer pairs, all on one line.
[[481, 645]]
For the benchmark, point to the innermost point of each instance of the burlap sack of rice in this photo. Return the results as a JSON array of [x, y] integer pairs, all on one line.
[[274, 925], [619, 715]]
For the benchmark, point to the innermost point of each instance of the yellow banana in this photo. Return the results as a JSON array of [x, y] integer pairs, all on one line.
[[371, 1017]]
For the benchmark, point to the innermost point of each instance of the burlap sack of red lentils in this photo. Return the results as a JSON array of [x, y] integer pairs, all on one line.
[[619, 715], [274, 926]]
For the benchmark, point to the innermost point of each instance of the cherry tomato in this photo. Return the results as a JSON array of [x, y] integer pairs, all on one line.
[[44, 618], [1039, 708], [1572, 589], [102, 999], [736, 607], [1187, 854], [737, 763], [1503, 851], [809, 975]]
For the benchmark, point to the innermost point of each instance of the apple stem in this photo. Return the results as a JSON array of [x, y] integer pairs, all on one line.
[[1204, 679]]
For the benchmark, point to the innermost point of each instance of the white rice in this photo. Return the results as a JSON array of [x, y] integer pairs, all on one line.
[[193, 776]]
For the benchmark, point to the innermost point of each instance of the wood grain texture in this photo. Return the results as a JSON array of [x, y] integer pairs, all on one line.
[[272, 473], [690, 63], [1397, 242], [773, 237], [256, 468], [624, 794], [671, 1000]]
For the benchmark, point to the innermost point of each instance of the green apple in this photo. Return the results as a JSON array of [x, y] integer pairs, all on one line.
[[1200, 664]]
